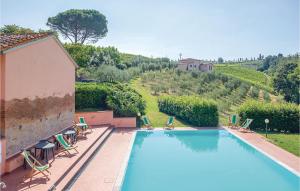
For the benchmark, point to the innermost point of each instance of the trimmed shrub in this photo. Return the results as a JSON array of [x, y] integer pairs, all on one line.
[[195, 110], [125, 101], [282, 116], [91, 95], [120, 98]]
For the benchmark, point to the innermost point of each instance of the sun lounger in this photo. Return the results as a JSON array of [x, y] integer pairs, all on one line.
[[170, 123], [35, 165], [245, 127], [147, 123], [67, 147]]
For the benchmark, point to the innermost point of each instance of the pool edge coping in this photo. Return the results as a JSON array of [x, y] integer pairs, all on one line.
[[265, 153], [120, 178], [122, 172]]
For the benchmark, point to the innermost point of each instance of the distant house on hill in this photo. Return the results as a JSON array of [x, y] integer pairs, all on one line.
[[37, 83], [191, 64]]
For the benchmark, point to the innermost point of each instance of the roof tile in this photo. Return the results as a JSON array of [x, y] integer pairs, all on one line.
[[13, 40]]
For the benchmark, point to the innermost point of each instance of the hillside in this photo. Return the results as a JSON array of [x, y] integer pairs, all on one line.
[[253, 64], [228, 92], [245, 74]]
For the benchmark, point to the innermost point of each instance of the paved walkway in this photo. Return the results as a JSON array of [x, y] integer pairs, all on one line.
[[16, 181], [287, 159], [102, 172]]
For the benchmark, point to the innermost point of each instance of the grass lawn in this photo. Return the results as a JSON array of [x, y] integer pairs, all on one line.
[[157, 118], [289, 142]]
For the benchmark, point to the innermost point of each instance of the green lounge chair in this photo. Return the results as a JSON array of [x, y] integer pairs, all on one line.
[[35, 165], [60, 138], [146, 122], [82, 120], [170, 123], [233, 120], [245, 127]]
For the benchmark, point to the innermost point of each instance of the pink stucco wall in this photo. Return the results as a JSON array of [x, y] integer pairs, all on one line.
[[37, 94], [106, 118], [120, 122], [96, 118], [38, 70]]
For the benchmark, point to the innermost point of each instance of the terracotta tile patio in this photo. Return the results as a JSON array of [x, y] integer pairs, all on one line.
[[287, 159], [16, 181], [103, 171]]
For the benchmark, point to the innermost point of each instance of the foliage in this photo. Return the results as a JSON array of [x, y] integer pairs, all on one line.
[[107, 64], [157, 118], [82, 54], [287, 141], [269, 61], [123, 100], [287, 80], [91, 95], [267, 97], [226, 91], [198, 111], [105, 56], [220, 60], [254, 92], [79, 25], [248, 75], [282, 116], [106, 73], [15, 29]]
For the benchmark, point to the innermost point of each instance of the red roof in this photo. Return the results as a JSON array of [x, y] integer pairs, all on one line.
[[11, 41]]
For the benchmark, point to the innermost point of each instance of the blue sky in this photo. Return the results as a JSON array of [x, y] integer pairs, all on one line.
[[204, 29]]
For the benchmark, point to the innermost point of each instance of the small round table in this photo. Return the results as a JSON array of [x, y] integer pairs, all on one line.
[[71, 135], [45, 146]]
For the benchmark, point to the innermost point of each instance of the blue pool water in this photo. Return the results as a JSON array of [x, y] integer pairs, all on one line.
[[206, 160]]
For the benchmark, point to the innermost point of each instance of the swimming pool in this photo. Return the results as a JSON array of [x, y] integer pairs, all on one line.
[[208, 160]]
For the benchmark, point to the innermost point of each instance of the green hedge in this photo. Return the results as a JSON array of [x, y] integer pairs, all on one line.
[[125, 101], [282, 116], [91, 95], [195, 110], [120, 98]]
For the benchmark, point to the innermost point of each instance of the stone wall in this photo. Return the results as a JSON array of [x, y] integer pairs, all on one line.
[[28, 121]]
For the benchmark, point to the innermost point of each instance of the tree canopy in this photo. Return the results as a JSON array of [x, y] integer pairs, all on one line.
[[79, 25], [15, 29], [220, 60], [286, 81]]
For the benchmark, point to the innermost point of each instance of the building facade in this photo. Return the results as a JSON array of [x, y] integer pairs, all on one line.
[[191, 64], [37, 86]]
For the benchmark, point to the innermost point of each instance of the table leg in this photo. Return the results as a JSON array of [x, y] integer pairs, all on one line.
[[46, 153], [42, 154], [73, 139], [24, 164], [53, 153], [57, 145]]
